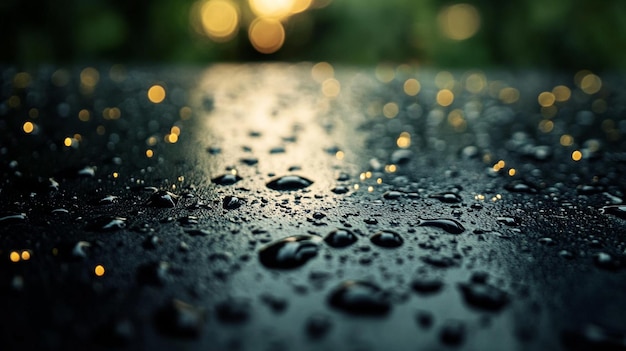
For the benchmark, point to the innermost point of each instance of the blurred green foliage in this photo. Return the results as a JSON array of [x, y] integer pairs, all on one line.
[[557, 34]]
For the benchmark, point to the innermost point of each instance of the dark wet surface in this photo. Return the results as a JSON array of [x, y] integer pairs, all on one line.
[[250, 211]]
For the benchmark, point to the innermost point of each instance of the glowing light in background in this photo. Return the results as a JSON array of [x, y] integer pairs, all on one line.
[[331, 87], [546, 126], [577, 155], [475, 83], [21, 80], [412, 87], [99, 270], [459, 22], [28, 127], [266, 35], [322, 71], [271, 8], [546, 99], [390, 110], [404, 140], [445, 97], [590, 84], [84, 115], [14, 256], [508, 95], [561, 93], [25, 255], [566, 140], [385, 73], [512, 172], [149, 153], [219, 19], [299, 6], [156, 94]]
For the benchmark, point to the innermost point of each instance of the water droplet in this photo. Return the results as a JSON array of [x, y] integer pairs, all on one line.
[[615, 210], [290, 252], [520, 187], [605, 261], [452, 333], [226, 179], [484, 296], [232, 202], [318, 325], [86, 171], [547, 241], [360, 298], [424, 284], [290, 182], [106, 223], [214, 150], [401, 156], [107, 200], [440, 260], [386, 238], [589, 189], [80, 249], [180, 319], [447, 197], [370, 220], [163, 199], [275, 303], [510, 221], [250, 161], [340, 238], [393, 195], [233, 310], [155, 273], [340, 189], [594, 337], [12, 218], [449, 225], [424, 319], [319, 215]]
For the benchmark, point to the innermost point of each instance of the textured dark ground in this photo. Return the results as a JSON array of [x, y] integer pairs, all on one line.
[[534, 260]]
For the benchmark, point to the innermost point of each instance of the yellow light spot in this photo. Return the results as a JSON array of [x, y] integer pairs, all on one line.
[[99, 270], [362, 176], [151, 141], [33, 113], [546, 99], [233, 171], [339, 155], [89, 77], [512, 172], [370, 189], [175, 130], [219, 19], [84, 115], [561, 93], [14, 256], [14, 101], [322, 71], [456, 119], [171, 138], [266, 35], [149, 153], [67, 142], [445, 97], [390, 110], [25, 255], [475, 83], [368, 174], [479, 197], [331, 87], [385, 73], [459, 22], [181, 179], [111, 113], [28, 127], [185, 113], [566, 140], [156, 94], [508, 95], [546, 126], [590, 84], [379, 180], [100, 130], [300, 6], [21, 80], [404, 140], [577, 155], [78, 137], [391, 168], [116, 175], [412, 87], [271, 8], [356, 186]]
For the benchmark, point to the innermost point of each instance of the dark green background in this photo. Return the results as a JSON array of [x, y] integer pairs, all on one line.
[[556, 34]]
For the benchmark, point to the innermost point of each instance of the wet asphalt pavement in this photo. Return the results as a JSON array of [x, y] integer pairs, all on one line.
[[301, 207]]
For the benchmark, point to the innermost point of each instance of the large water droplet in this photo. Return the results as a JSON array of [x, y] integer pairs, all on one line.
[[482, 295], [452, 333], [449, 225], [290, 182], [318, 325], [232, 202], [340, 238], [424, 284], [615, 210], [387, 238], [226, 179], [447, 197], [106, 223], [520, 187], [340, 189], [163, 199], [360, 298], [290, 252], [12, 218]]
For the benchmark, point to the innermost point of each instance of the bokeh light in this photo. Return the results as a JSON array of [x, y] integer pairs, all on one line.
[[331, 87], [156, 94], [28, 127], [404, 140], [412, 87], [219, 19], [459, 22], [271, 8], [322, 71], [546, 99], [99, 270], [390, 110], [445, 97], [577, 155], [266, 35]]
